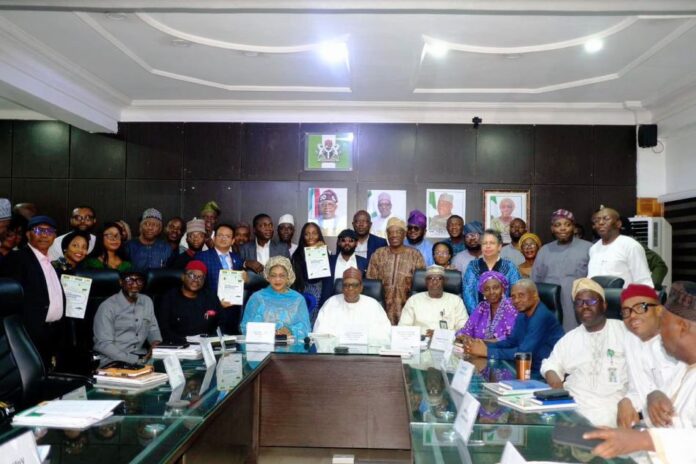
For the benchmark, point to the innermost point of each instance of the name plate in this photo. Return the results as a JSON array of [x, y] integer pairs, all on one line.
[[230, 371], [176, 375], [21, 450], [208, 353], [353, 334], [260, 332], [462, 377], [511, 455], [442, 339], [466, 416], [405, 338]]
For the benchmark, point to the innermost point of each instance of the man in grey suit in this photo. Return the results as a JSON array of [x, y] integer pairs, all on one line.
[[257, 252]]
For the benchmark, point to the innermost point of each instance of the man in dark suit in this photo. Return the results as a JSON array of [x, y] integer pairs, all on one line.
[[344, 258], [43, 303], [257, 252], [367, 243]]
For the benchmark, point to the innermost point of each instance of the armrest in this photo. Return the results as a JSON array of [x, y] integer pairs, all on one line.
[[66, 377]]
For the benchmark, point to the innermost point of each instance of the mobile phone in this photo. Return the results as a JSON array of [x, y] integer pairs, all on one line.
[[282, 337], [553, 394], [571, 435]]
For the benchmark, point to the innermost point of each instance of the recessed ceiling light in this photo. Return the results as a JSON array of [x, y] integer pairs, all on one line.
[[115, 16], [593, 45], [334, 52], [436, 49], [181, 43]]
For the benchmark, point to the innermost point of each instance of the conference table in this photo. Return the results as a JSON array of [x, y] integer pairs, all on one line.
[[292, 399]]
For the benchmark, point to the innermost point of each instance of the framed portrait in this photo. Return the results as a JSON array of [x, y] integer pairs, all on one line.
[[440, 204], [500, 207], [328, 152], [327, 207], [384, 205]]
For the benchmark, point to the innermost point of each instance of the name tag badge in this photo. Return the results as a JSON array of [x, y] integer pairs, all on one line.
[[613, 375], [443, 324]]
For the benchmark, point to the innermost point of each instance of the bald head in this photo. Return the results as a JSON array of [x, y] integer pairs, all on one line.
[[525, 296]]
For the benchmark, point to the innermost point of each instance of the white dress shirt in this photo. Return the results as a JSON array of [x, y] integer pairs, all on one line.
[[263, 252], [342, 265], [624, 257]]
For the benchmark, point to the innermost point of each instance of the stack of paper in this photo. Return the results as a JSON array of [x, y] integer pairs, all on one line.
[[68, 414], [190, 352], [527, 403], [516, 387], [143, 382]]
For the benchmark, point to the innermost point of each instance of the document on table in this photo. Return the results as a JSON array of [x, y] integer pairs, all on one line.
[[442, 339], [353, 334], [76, 291], [260, 332], [231, 286], [405, 338], [317, 259]]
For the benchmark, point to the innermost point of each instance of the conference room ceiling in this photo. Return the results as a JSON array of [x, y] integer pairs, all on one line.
[[95, 64]]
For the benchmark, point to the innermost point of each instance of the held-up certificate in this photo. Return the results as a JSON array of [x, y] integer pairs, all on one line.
[[231, 286], [76, 291], [317, 259]]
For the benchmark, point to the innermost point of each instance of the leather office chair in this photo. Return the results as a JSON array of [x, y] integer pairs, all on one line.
[[160, 281], [550, 295], [254, 283], [613, 298], [609, 281], [371, 287], [23, 379], [452, 284], [11, 295]]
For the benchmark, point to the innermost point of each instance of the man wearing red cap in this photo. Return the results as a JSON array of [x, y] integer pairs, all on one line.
[[190, 309], [649, 366]]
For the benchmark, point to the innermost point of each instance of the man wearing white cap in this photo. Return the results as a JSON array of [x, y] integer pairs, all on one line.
[[286, 230], [590, 360]]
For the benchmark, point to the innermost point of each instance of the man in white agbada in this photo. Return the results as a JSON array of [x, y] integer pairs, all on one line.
[[615, 254], [592, 357], [649, 366], [435, 308], [351, 309]]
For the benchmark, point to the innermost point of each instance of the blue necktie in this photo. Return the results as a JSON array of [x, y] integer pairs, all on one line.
[[223, 261]]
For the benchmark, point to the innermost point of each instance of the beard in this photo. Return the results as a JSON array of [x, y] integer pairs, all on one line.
[[473, 248]]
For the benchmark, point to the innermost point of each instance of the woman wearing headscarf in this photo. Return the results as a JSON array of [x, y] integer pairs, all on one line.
[[529, 246], [494, 317]]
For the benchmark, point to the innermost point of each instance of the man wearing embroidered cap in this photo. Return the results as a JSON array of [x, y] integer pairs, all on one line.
[[286, 230], [416, 227], [472, 242], [592, 356], [562, 261], [329, 219], [394, 265], [195, 239], [148, 251]]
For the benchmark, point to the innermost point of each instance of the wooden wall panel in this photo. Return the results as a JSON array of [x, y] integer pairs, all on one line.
[[96, 156], [615, 156], [271, 152], [197, 193], [505, 154], [562, 155], [5, 148], [109, 194], [40, 149], [212, 151], [154, 150], [49, 195], [386, 152], [445, 153], [165, 195]]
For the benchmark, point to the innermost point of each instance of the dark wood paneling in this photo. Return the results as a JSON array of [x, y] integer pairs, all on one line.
[[154, 150], [49, 195], [505, 154], [366, 395], [622, 199], [328, 175], [6, 188], [165, 195], [212, 151], [548, 198], [40, 149], [96, 156], [108, 194], [271, 152], [614, 152], [199, 192], [274, 199], [386, 152], [445, 153], [561, 155], [6, 148]]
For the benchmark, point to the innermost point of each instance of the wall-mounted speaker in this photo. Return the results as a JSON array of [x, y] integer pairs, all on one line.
[[647, 135]]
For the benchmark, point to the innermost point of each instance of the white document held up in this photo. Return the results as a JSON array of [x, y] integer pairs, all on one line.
[[466, 416], [231, 286], [260, 332], [76, 291], [405, 338], [353, 334], [442, 339], [317, 259]]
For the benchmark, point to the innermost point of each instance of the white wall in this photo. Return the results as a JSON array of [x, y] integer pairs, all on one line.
[[651, 172], [680, 165]]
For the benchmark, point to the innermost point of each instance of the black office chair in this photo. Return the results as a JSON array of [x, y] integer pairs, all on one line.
[[371, 287], [609, 281], [613, 299], [160, 281], [550, 295], [254, 283], [452, 284], [23, 379], [11, 296]]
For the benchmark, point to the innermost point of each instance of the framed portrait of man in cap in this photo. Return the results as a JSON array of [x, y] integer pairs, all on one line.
[[384, 205], [328, 152], [327, 207], [500, 207], [440, 205]]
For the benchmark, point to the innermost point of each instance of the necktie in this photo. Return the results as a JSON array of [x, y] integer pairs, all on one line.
[[223, 261]]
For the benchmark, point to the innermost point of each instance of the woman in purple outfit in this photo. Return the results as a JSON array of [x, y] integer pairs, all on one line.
[[494, 317]]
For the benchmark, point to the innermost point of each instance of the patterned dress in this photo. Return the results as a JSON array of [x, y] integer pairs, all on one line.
[[481, 325], [470, 293], [283, 309]]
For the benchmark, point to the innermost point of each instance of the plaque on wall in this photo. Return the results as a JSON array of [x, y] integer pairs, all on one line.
[[328, 152]]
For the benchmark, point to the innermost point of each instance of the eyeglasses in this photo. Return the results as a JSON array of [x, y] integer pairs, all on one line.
[[413, 227], [442, 253], [193, 276], [472, 235], [83, 218], [43, 231], [134, 280], [434, 278], [638, 308], [587, 301], [352, 285]]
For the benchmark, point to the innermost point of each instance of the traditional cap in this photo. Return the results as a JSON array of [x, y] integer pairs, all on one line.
[[350, 233], [447, 197], [474, 227], [195, 225], [396, 222], [196, 265], [383, 196], [638, 290], [534, 237], [286, 219], [682, 300], [488, 275], [585, 283], [36, 220], [435, 270], [352, 273], [211, 207], [152, 213], [417, 218], [563, 214], [5, 209], [283, 262], [328, 195]]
